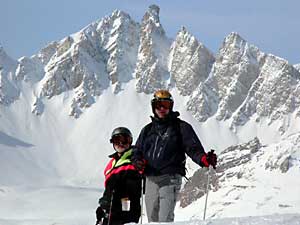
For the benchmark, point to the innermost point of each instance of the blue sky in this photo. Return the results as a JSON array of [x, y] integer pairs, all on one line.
[[272, 25]]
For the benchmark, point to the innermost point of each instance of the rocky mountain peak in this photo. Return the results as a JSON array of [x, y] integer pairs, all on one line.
[[183, 29], [297, 66], [119, 41], [6, 62], [30, 69], [46, 53], [234, 40], [151, 22], [9, 91], [236, 67], [119, 14], [152, 61], [190, 62], [232, 50], [274, 94], [116, 49], [152, 14], [183, 32], [102, 54]]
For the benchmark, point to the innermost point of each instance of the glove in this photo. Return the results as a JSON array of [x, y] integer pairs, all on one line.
[[140, 165], [212, 158], [104, 203], [209, 159], [99, 215]]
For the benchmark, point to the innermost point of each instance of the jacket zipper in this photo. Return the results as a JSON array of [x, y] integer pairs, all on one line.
[[153, 155]]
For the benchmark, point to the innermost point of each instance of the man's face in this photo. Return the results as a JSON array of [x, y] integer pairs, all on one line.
[[162, 108]]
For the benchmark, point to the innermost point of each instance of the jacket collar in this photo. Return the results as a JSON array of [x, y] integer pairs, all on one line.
[[170, 117], [115, 155]]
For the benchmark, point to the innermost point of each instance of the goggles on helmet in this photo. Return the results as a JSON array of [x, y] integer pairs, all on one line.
[[162, 103], [120, 140]]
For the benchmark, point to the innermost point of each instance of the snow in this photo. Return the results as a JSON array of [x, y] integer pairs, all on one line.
[[51, 166], [75, 205]]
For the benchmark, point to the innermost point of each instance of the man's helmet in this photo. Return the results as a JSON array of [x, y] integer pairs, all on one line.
[[121, 131], [162, 95]]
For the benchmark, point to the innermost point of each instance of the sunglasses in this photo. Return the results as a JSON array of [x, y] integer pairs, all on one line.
[[163, 104], [120, 140]]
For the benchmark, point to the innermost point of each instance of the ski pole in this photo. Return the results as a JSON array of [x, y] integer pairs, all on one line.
[[110, 207], [142, 201], [207, 189]]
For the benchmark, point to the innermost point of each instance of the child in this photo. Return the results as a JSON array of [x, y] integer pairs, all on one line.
[[120, 203]]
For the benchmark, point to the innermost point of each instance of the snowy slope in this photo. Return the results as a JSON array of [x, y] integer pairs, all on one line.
[[47, 181]]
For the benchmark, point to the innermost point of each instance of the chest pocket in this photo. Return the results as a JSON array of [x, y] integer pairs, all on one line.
[[162, 145]]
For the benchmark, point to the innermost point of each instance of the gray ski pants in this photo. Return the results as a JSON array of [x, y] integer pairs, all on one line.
[[160, 197]]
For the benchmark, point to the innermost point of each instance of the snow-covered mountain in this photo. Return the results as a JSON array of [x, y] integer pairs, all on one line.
[[58, 107], [238, 83]]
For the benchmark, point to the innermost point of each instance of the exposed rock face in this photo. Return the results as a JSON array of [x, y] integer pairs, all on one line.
[[190, 62], [151, 69], [37, 107], [88, 61], [72, 62], [230, 159], [30, 69], [196, 186], [46, 53], [285, 155], [235, 69], [297, 66], [240, 83], [243, 164], [9, 91], [119, 40], [275, 92], [245, 82], [7, 64]]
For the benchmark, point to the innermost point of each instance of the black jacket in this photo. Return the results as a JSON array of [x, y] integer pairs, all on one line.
[[163, 143], [122, 180]]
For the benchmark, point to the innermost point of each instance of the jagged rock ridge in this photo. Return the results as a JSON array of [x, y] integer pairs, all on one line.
[[241, 168], [237, 84], [195, 57], [151, 70], [8, 89]]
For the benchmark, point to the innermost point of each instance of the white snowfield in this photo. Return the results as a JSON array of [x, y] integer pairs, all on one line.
[[69, 205], [52, 168]]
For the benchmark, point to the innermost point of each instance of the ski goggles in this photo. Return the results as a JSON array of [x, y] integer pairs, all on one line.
[[164, 104], [120, 140]]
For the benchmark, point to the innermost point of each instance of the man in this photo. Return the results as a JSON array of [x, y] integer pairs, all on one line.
[[120, 203], [160, 153]]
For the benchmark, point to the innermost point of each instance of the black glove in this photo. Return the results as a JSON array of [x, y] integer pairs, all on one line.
[[140, 165], [104, 203], [99, 215], [212, 158]]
